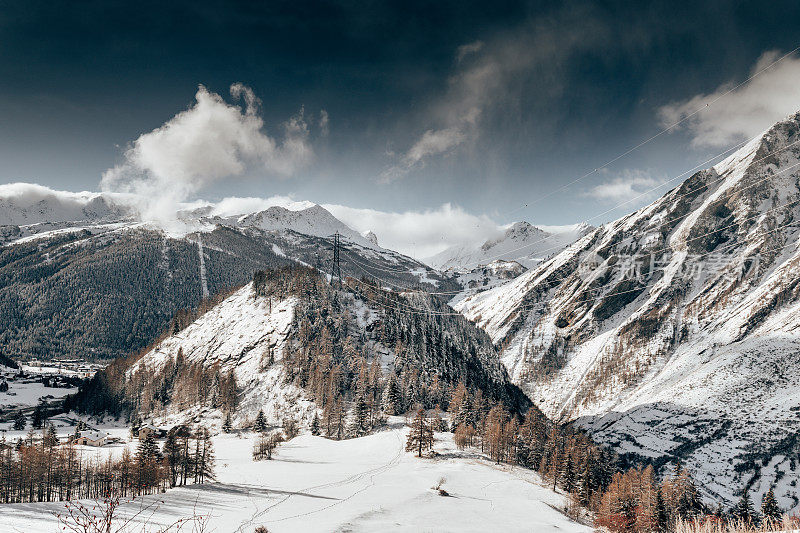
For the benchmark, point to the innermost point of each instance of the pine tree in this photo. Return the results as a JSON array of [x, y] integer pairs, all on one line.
[[20, 421], [148, 458], [315, 425], [744, 510], [50, 438], [568, 475], [38, 417], [585, 482], [769, 507], [359, 417], [391, 396], [260, 425], [420, 438], [136, 423], [148, 448], [227, 425], [662, 516]]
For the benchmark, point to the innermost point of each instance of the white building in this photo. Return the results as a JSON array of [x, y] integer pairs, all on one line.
[[92, 438]]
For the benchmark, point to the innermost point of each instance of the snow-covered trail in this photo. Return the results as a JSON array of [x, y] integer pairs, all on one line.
[[366, 484], [201, 255]]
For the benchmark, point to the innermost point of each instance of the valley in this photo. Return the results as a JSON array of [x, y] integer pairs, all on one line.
[[362, 484]]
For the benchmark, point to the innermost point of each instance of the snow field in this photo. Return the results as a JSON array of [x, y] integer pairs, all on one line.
[[365, 484]]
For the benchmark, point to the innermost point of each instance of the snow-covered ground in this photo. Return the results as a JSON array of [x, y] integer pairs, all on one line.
[[28, 394], [364, 484]]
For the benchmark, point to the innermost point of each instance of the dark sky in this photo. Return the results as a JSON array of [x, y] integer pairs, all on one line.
[[550, 92]]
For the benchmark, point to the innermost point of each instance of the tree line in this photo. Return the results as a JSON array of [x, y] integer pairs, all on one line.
[[39, 468]]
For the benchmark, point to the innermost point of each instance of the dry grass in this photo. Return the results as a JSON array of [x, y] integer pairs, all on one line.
[[712, 525]]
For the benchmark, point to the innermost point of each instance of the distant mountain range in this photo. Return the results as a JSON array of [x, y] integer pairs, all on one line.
[[521, 242], [80, 275]]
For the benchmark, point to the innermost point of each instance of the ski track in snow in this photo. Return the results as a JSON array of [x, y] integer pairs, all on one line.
[[372, 472]]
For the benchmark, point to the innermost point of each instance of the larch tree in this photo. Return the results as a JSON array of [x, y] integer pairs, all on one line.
[[420, 438]]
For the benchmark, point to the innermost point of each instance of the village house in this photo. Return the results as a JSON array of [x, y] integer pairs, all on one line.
[[91, 438], [150, 429]]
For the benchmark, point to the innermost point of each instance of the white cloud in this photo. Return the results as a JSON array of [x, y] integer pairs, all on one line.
[[745, 112], [234, 205], [490, 82], [631, 184], [210, 141], [28, 194], [419, 234], [432, 143]]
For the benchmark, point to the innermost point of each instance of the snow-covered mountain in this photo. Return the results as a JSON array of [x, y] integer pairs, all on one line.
[[23, 204], [485, 277], [253, 331], [521, 242], [237, 335], [673, 332], [316, 221], [135, 276]]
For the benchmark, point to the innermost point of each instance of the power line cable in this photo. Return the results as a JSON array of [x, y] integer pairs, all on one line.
[[665, 130]]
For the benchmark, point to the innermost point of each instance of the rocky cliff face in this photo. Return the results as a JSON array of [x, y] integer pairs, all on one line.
[[673, 332]]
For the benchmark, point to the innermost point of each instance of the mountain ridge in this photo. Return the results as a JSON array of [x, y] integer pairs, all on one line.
[[680, 311], [521, 241]]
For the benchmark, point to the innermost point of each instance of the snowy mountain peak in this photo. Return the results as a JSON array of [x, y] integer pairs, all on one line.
[[521, 242], [680, 311], [316, 221], [518, 231], [371, 237]]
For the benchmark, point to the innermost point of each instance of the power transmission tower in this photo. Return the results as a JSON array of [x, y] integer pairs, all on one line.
[[336, 268]]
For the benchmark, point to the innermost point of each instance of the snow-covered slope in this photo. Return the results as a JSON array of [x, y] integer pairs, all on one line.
[[673, 332], [316, 221], [238, 335], [521, 242], [314, 484], [26, 204], [249, 334], [485, 277]]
